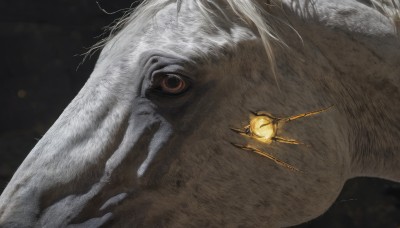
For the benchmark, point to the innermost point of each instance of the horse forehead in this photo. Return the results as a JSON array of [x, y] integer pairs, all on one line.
[[182, 32], [193, 43]]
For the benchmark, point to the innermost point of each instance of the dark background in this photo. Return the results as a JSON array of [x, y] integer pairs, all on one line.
[[41, 42]]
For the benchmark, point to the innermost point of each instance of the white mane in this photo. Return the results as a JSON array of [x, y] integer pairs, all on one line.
[[250, 11], [390, 8]]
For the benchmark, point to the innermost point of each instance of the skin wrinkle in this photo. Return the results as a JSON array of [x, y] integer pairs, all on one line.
[[47, 195], [25, 182], [122, 179], [113, 201], [156, 143], [197, 179], [77, 202]]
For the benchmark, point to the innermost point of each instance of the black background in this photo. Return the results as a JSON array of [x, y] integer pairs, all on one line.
[[41, 42]]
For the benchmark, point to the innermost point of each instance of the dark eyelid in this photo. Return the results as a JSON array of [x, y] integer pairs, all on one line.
[[160, 64], [156, 75], [171, 69]]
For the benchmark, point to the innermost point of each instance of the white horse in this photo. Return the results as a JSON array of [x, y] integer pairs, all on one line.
[[148, 143]]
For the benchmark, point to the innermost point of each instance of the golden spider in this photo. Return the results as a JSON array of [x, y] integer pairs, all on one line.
[[264, 128]]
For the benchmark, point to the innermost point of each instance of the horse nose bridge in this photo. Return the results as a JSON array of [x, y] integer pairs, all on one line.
[[19, 212], [120, 172], [112, 175], [41, 189]]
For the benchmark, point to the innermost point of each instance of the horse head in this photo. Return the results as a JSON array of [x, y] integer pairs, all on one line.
[[148, 141]]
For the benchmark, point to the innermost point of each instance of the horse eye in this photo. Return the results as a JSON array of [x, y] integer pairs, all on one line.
[[172, 84]]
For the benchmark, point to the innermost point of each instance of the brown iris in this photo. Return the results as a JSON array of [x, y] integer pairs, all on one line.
[[173, 84]]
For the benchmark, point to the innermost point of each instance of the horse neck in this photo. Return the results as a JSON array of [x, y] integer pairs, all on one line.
[[375, 120], [366, 89]]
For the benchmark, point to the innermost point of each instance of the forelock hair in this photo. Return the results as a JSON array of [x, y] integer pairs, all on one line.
[[249, 11], [390, 8], [252, 12]]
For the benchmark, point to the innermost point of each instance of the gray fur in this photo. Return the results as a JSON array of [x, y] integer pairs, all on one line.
[[347, 55]]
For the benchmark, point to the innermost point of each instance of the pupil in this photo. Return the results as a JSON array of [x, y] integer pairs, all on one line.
[[173, 82]]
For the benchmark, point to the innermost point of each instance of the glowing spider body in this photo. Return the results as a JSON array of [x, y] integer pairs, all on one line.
[[264, 128]]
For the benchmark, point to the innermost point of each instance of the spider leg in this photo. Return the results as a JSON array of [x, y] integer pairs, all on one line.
[[288, 141], [263, 113], [242, 146], [302, 115], [254, 113], [267, 155], [239, 131]]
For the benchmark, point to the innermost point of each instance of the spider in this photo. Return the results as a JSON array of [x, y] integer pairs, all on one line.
[[264, 128]]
